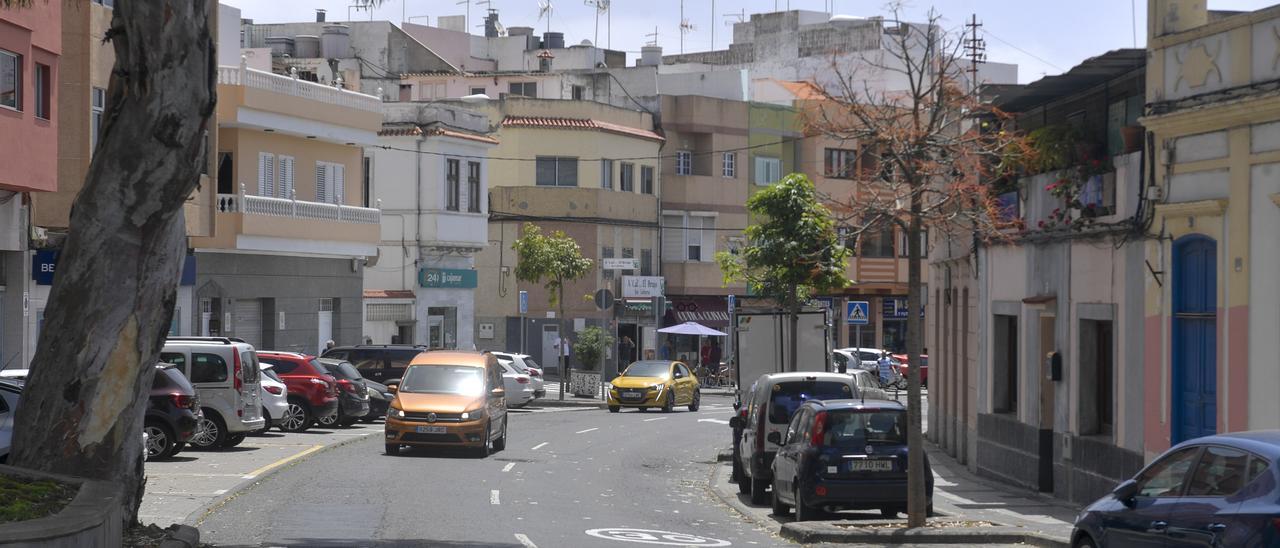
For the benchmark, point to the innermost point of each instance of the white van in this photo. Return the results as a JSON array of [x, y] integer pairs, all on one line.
[[225, 374]]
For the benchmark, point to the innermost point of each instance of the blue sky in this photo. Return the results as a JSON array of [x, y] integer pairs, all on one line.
[[1041, 36]]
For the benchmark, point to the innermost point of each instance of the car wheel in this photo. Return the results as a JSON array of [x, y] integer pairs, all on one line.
[[744, 483], [779, 508], [485, 442], [670, 404], [759, 491], [328, 421], [614, 408], [393, 449], [297, 418], [161, 442], [177, 448], [210, 431], [233, 440], [804, 513], [501, 443], [889, 513], [697, 400], [1085, 541]]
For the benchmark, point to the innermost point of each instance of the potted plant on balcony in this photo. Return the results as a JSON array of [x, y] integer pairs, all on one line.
[[589, 348]]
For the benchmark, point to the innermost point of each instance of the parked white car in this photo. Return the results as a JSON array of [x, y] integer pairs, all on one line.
[[225, 374], [275, 398], [9, 390], [868, 359], [524, 363], [518, 385], [20, 374]]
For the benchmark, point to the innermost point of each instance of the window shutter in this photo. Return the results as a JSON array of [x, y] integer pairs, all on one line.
[[266, 174], [708, 238], [339, 183], [673, 238], [322, 183], [286, 178]]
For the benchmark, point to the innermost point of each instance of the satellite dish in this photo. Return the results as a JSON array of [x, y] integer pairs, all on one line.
[[502, 31]]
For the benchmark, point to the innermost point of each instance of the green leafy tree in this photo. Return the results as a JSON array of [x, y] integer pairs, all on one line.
[[590, 346], [553, 261], [792, 253]]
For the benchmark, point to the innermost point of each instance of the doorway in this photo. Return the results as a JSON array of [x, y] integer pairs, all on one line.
[[1194, 336], [1048, 400], [324, 321], [550, 359]]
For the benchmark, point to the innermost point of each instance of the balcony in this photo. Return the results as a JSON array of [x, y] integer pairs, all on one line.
[[697, 278], [574, 202], [704, 192], [263, 100], [259, 223]]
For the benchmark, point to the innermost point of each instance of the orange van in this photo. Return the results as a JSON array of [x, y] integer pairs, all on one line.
[[449, 399]]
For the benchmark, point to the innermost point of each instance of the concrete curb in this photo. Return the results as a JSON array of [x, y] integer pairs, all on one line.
[[92, 518], [195, 518], [819, 531]]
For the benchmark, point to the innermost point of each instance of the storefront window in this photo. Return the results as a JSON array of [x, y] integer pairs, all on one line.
[[442, 327]]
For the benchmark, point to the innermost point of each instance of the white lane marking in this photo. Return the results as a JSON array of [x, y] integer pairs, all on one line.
[[539, 446], [585, 431], [524, 540], [493, 496], [508, 467], [717, 421], [657, 419]]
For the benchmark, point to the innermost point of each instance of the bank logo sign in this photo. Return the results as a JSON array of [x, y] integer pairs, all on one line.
[[447, 278]]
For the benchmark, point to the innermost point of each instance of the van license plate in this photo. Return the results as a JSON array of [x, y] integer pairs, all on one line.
[[867, 465], [430, 430]]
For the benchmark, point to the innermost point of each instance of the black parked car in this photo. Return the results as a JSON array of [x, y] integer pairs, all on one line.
[[844, 455], [173, 411], [384, 363], [379, 400], [353, 397]]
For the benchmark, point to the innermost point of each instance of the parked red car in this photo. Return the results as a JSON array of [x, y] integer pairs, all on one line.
[[924, 368], [313, 392]]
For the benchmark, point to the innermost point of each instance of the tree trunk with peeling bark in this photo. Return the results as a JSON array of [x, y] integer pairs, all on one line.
[[114, 292]]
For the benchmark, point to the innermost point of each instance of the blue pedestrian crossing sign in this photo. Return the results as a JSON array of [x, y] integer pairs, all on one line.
[[858, 313]]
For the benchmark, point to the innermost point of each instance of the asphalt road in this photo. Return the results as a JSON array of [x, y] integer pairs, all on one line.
[[568, 478]]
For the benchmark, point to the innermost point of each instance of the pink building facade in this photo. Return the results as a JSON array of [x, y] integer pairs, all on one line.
[[30, 45]]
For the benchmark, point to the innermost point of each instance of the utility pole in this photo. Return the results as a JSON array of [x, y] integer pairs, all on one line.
[[975, 49]]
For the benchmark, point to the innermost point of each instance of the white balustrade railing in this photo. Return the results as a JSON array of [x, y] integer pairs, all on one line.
[[248, 77], [297, 209]]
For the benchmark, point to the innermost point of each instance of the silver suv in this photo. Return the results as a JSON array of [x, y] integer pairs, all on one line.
[[225, 374]]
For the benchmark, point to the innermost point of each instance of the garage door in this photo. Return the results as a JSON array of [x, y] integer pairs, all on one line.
[[248, 321]]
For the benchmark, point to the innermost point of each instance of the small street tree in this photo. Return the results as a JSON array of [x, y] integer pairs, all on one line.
[[113, 297], [792, 252], [929, 150], [590, 346], [553, 261]]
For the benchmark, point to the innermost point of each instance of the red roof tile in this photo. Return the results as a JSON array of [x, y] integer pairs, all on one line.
[[579, 123]]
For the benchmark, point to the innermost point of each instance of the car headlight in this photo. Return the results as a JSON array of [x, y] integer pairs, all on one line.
[[472, 415], [657, 387], [397, 413]]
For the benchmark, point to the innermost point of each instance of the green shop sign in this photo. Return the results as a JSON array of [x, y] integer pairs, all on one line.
[[447, 278]]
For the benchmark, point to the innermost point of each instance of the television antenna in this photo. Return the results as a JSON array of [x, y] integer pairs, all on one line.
[[601, 6], [686, 27], [654, 36], [729, 18], [466, 18], [545, 8]]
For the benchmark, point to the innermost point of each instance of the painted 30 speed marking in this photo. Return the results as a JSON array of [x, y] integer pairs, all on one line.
[[651, 536]]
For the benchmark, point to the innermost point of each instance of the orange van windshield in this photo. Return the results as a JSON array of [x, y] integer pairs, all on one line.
[[443, 379]]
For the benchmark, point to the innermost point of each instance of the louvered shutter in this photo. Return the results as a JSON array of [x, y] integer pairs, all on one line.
[[339, 183], [285, 185], [266, 174], [673, 238], [322, 182]]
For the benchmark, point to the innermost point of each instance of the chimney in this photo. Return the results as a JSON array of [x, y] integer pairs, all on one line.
[[491, 24], [319, 15], [1173, 16]]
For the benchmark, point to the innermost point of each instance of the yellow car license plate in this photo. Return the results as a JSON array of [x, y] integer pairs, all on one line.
[[430, 430]]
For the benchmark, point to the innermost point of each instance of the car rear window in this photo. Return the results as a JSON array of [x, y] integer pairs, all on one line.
[[341, 370], [443, 379], [514, 364], [529, 362], [787, 397], [248, 366], [859, 428], [401, 358], [208, 368], [271, 374]]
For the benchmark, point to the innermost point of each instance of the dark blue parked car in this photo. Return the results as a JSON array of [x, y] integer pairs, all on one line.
[[1213, 491], [844, 455]]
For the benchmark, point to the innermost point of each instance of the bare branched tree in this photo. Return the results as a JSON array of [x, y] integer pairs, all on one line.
[[929, 149]]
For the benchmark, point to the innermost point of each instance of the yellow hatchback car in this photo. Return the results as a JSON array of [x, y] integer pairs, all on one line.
[[655, 383]]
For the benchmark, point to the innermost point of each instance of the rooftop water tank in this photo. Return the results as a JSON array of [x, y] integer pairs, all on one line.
[[650, 56], [335, 42], [280, 46], [306, 46], [553, 40]]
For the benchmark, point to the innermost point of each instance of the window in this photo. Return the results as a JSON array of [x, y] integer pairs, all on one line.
[[285, 183], [606, 252], [1097, 373], [729, 165], [1221, 472], [473, 187], [628, 253], [1099, 196], [1166, 476], [331, 184], [524, 89], [97, 105], [787, 397], [266, 174], [579, 92], [684, 162], [700, 238], [204, 146], [1257, 467], [1006, 364], [839, 163], [646, 179], [673, 238], [627, 177], [44, 88], [870, 167], [477, 91], [646, 262], [107, 3], [768, 170], [208, 368], [176, 359], [557, 171], [367, 184], [453, 173], [226, 177], [606, 174], [406, 92], [10, 80], [877, 244]]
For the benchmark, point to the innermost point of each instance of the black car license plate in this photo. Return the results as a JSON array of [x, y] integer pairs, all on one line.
[[870, 465]]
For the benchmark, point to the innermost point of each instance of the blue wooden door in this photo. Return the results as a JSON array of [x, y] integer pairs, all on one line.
[[1195, 340]]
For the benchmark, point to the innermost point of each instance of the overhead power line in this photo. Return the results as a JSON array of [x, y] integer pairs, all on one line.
[[1027, 53]]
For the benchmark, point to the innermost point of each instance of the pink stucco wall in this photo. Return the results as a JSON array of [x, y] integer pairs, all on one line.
[[1233, 394], [29, 145], [1156, 427]]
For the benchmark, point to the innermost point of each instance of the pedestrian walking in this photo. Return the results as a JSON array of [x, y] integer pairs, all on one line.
[[666, 350], [328, 345], [626, 350], [885, 366]]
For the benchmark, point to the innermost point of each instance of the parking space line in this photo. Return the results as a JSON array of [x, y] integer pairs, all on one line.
[[282, 462], [585, 431], [539, 446], [508, 467], [493, 496], [657, 419], [524, 540]]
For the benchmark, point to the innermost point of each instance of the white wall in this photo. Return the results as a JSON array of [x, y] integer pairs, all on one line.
[[228, 35], [1264, 298]]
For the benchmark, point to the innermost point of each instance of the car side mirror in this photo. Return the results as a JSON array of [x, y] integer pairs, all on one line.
[[1126, 491], [774, 438], [735, 422], [393, 388]]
